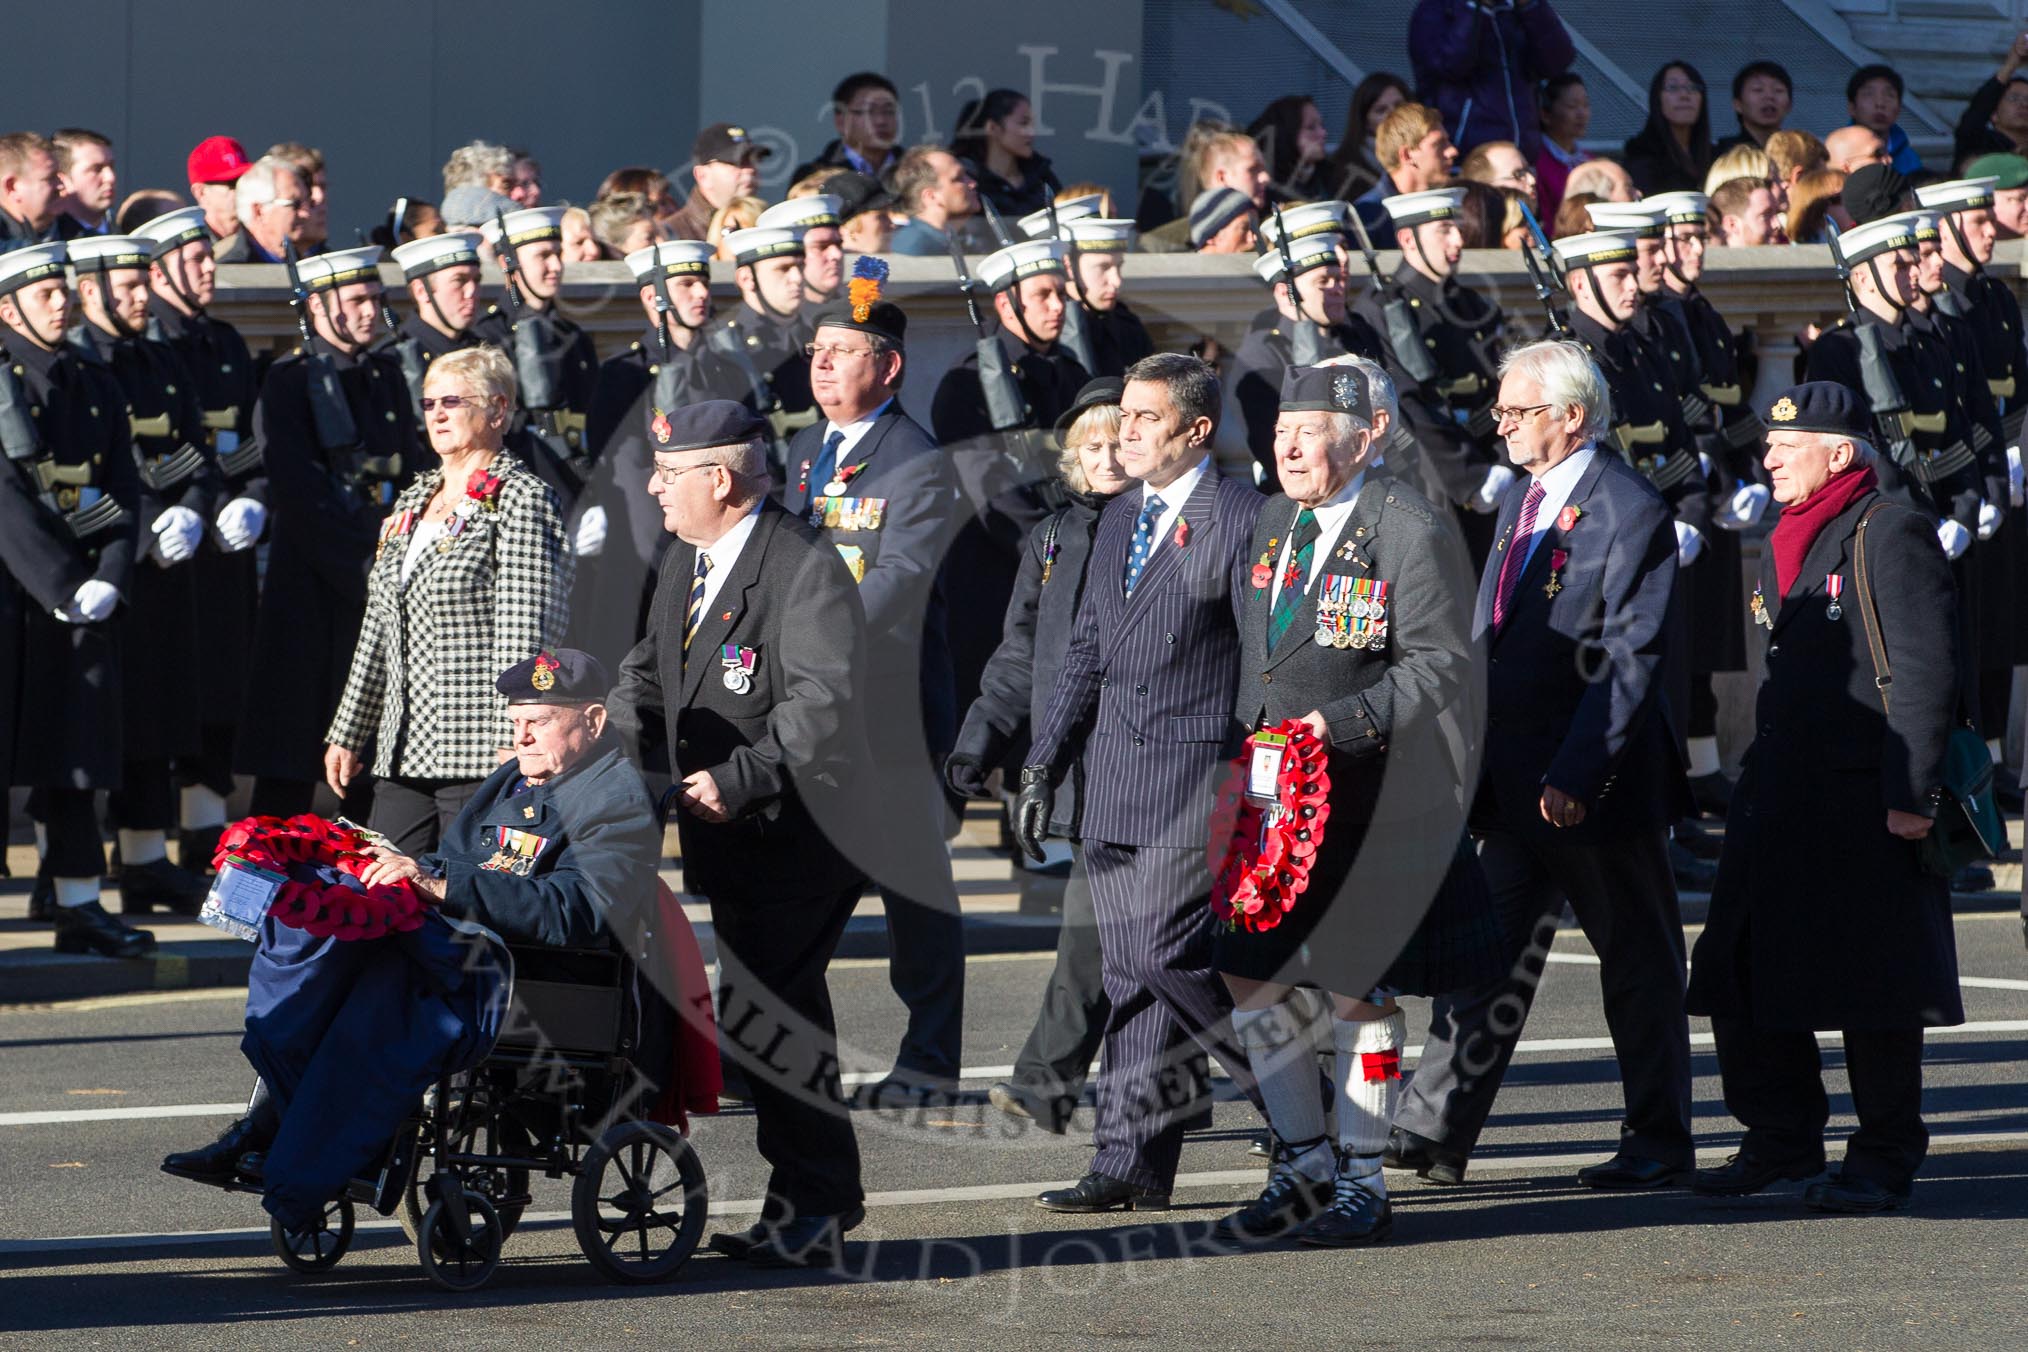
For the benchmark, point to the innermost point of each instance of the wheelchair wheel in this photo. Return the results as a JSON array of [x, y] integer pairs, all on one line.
[[316, 1249], [460, 1264], [506, 1188], [638, 1204]]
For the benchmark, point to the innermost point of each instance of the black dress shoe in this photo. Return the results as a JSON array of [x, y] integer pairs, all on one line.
[[89, 929], [195, 845], [159, 883], [1972, 879], [1712, 793], [902, 1088], [1427, 1159], [1262, 1146], [1744, 1174], [1357, 1215], [806, 1242], [1016, 1100], [741, 1244], [219, 1162], [1291, 1200], [1095, 1192], [1853, 1196], [1625, 1173]]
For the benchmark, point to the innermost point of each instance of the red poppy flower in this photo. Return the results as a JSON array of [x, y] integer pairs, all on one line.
[[1567, 518]]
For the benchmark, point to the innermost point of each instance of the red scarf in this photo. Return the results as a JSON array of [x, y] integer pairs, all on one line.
[[1801, 524]]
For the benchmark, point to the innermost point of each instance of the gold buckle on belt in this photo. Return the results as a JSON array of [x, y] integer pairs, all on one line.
[[2002, 389], [222, 420], [1463, 385], [1642, 434], [49, 473], [157, 426], [1725, 396], [1932, 423]]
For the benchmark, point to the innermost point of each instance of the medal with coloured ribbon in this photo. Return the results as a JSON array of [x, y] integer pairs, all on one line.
[[738, 663], [1351, 611]]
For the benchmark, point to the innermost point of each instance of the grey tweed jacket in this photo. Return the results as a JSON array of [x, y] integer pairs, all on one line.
[[421, 686]]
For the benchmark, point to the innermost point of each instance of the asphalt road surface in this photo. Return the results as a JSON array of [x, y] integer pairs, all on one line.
[[98, 1248]]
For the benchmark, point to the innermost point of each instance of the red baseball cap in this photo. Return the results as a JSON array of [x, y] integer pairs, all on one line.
[[218, 159]]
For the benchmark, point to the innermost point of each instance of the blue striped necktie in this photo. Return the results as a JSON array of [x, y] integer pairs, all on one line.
[[1144, 541], [695, 610]]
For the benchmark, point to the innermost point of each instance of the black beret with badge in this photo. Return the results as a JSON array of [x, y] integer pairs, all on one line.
[[700, 426], [863, 307], [1820, 406], [558, 676], [1325, 389]]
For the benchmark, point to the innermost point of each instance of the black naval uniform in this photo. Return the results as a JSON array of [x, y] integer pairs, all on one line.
[[68, 736], [1008, 480], [222, 372], [771, 349], [327, 504], [1256, 376], [1447, 416], [164, 628], [1118, 338], [417, 343], [550, 439]]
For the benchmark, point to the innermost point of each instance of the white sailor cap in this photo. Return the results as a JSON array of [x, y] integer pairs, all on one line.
[[763, 241], [1306, 252], [1413, 208], [173, 230], [1960, 194], [341, 267], [1924, 225], [801, 213], [1311, 218], [1642, 220], [1680, 208], [1597, 246], [434, 253], [671, 258], [93, 253], [526, 226], [1853, 247], [30, 264], [1007, 267], [1100, 234], [1035, 224]]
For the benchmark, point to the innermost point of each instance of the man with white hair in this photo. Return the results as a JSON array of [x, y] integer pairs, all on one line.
[[270, 198], [1581, 780], [1828, 913]]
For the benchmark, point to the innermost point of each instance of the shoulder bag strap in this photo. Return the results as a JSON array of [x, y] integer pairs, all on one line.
[[1876, 644]]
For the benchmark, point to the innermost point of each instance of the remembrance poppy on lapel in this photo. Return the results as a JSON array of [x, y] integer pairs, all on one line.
[[1567, 518]]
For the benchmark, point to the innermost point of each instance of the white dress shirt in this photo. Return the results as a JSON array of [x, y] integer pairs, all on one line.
[[424, 535], [853, 432], [724, 553], [1557, 486], [1173, 497], [1331, 519]]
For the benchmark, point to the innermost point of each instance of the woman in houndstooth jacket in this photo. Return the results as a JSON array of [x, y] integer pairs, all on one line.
[[471, 576]]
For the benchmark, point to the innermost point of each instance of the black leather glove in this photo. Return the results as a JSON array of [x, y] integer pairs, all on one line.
[[966, 775], [1031, 811]]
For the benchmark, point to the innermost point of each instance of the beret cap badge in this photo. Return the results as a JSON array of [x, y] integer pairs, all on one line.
[[1784, 410]]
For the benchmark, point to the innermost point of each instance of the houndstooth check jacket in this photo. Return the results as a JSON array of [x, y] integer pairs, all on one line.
[[421, 686]]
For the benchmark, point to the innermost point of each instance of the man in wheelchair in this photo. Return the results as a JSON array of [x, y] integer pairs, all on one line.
[[558, 848]]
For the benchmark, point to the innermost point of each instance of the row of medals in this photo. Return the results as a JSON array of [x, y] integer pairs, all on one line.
[[1334, 624]]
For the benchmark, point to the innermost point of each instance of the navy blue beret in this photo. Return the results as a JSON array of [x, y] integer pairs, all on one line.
[[700, 426], [1820, 406], [1325, 389], [558, 676]]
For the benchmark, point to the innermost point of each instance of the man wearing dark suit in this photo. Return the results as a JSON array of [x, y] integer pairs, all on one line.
[[1145, 696], [747, 689], [876, 485], [1582, 778], [1824, 915]]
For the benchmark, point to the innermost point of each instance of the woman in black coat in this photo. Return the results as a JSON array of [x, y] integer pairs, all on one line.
[[1673, 151], [1014, 690], [1823, 915], [996, 138]]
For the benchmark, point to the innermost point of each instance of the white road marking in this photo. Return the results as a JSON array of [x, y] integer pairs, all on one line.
[[990, 1192]]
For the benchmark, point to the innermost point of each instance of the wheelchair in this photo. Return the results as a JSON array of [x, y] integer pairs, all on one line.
[[561, 1094]]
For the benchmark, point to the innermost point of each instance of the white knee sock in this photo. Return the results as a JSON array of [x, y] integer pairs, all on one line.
[[1279, 1050], [1369, 1084], [199, 808], [1704, 756], [76, 891], [142, 847]]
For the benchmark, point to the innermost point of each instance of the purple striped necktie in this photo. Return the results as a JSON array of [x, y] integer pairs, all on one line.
[[1517, 553]]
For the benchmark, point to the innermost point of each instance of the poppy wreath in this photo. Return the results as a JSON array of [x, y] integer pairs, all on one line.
[[321, 863], [1262, 854]]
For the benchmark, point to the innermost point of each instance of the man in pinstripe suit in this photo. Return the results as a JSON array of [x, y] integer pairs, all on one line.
[[1146, 695]]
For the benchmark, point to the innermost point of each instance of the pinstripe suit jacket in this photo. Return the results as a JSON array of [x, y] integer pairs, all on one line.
[[421, 685], [1148, 686]]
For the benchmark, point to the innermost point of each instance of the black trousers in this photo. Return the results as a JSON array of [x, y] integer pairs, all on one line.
[[1625, 901], [146, 798], [415, 814], [212, 766], [277, 797], [1774, 1085], [777, 1027], [70, 820], [1056, 1058]]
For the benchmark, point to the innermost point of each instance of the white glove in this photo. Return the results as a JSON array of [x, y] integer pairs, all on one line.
[[1689, 544], [1954, 538], [240, 523], [93, 601], [1704, 465], [590, 537], [1989, 520], [177, 533], [1746, 506], [2016, 497], [1487, 499]]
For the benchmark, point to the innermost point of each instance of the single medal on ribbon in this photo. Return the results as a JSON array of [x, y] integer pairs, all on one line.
[[738, 663], [1835, 585]]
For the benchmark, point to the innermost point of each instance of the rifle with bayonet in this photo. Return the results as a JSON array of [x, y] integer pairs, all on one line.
[[535, 355], [330, 414], [1403, 335], [1006, 410], [1076, 335], [1306, 339], [1540, 272], [1882, 388]]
